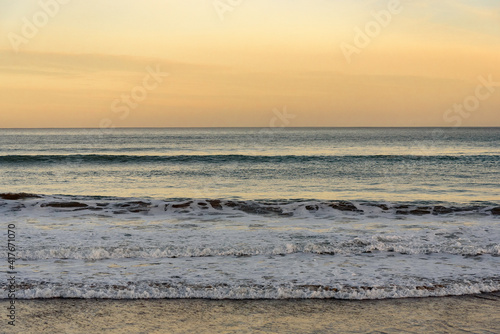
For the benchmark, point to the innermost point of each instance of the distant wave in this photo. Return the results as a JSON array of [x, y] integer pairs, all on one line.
[[143, 159]]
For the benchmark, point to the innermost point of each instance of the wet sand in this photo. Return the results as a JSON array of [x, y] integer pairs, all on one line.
[[464, 314]]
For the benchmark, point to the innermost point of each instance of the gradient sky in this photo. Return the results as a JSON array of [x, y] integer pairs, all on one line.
[[261, 57]]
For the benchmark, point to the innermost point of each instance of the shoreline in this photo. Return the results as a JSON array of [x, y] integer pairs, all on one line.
[[474, 313]]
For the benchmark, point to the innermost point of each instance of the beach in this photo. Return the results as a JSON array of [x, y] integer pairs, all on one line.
[[463, 314], [255, 166]]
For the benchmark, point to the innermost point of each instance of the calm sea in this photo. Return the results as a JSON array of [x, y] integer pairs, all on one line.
[[236, 213]]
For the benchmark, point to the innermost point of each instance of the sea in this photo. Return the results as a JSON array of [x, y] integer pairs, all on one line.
[[250, 213]]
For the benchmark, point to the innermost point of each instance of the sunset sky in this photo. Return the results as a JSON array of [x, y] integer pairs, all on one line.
[[236, 65]]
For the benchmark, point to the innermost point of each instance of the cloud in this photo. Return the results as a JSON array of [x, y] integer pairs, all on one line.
[[44, 63]]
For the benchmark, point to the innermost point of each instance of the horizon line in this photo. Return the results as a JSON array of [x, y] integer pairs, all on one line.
[[248, 127]]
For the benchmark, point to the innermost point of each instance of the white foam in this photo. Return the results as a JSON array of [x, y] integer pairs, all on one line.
[[146, 292], [294, 276], [208, 254]]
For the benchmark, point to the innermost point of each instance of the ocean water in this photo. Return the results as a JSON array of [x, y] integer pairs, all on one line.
[[348, 213]]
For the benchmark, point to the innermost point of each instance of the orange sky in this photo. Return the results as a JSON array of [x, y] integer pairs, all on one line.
[[329, 63]]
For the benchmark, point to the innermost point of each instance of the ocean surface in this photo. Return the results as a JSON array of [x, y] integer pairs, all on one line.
[[237, 213]]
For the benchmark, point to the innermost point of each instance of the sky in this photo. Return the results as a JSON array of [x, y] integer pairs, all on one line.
[[218, 63]]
